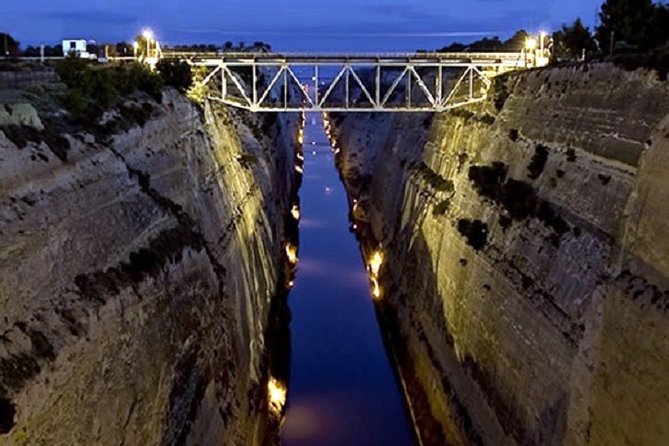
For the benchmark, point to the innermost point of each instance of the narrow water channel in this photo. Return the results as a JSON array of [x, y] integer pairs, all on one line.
[[342, 389]]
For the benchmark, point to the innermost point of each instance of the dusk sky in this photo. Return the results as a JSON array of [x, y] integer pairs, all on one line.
[[363, 25]]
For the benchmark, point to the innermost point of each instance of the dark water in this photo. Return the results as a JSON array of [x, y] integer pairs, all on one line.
[[342, 389]]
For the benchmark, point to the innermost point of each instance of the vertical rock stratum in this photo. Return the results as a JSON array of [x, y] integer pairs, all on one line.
[[137, 273], [526, 257]]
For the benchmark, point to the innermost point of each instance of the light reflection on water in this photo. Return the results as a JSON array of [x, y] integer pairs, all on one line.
[[342, 390], [313, 223]]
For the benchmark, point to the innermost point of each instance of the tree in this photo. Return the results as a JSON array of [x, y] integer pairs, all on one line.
[[176, 74], [262, 46], [573, 41], [124, 49], [638, 23], [31, 51], [8, 45], [517, 42], [485, 44], [143, 44], [455, 47], [53, 51], [93, 48]]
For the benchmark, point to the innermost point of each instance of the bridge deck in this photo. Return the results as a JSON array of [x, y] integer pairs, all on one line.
[[356, 82], [352, 58]]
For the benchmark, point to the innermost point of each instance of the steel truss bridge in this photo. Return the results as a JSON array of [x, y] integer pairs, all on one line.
[[416, 82]]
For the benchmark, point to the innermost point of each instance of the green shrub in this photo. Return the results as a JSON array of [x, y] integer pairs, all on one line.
[[92, 88], [175, 73], [198, 90]]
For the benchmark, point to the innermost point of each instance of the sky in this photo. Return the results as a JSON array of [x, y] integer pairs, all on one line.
[[362, 25]]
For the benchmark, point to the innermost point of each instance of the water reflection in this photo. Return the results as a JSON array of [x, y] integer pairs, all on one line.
[[342, 389], [313, 223]]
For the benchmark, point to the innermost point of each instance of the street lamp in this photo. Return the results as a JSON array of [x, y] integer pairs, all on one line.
[[531, 44], [148, 36], [530, 49]]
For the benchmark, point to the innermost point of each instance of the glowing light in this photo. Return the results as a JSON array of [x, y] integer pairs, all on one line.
[[148, 34], [355, 226], [376, 290], [374, 267], [313, 143], [291, 253], [299, 169], [295, 212], [531, 44], [313, 152], [276, 396], [375, 263], [291, 284], [300, 137], [336, 151], [300, 156]]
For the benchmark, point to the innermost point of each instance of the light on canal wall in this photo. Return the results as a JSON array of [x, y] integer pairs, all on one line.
[[295, 212], [276, 393], [374, 266], [291, 253]]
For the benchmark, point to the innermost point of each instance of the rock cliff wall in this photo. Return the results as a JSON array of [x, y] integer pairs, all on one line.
[[138, 269], [526, 272]]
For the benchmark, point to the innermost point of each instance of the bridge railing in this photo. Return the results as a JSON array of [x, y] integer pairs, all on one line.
[[325, 82]]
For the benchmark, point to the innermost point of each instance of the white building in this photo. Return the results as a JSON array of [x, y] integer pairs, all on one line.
[[77, 47]]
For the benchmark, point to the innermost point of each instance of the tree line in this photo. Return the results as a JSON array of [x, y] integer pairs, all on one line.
[[625, 26]]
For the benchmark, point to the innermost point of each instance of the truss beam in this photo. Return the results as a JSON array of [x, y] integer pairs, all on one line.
[[353, 83]]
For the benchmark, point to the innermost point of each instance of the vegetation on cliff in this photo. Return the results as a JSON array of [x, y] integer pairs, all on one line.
[[8, 45], [92, 88]]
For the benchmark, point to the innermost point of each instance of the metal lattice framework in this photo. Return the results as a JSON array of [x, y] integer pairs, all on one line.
[[422, 82]]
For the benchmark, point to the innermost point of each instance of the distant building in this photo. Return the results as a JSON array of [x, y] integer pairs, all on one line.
[[78, 47]]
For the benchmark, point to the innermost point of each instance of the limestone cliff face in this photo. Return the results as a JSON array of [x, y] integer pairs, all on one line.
[[137, 273], [526, 247]]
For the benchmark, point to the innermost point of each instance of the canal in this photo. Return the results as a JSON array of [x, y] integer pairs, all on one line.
[[342, 388]]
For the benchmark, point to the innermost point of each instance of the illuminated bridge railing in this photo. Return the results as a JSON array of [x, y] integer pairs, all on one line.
[[390, 82]]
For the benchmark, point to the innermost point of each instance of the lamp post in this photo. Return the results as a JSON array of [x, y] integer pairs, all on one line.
[[148, 36], [542, 36], [531, 46]]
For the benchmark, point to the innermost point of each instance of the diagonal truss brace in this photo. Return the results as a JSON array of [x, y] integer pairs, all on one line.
[[279, 93]]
